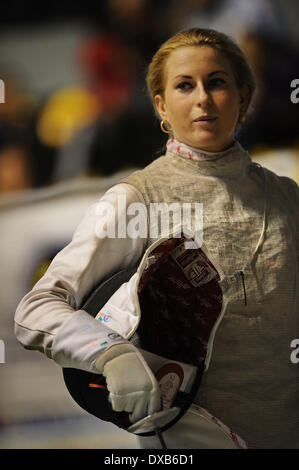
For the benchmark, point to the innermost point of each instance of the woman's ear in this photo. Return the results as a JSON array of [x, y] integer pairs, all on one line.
[[244, 98], [160, 106]]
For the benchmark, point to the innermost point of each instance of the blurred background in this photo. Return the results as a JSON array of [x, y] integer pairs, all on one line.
[[76, 119]]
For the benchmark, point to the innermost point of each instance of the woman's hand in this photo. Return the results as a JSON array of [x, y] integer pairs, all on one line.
[[131, 383]]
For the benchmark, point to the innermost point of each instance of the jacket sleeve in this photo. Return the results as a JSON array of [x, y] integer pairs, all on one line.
[[49, 318]]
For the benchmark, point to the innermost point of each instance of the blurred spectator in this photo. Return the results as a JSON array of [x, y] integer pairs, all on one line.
[[19, 105], [17, 165], [57, 120], [125, 132], [65, 111], [233, 17], [15, 168], [288, 12], [110, 69], [104, 126], [274, 121], [142, 24]]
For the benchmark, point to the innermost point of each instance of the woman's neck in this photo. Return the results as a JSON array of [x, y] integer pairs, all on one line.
[[192, 153]]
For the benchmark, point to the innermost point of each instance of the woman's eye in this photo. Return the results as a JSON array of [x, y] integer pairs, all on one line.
[[216, 83], [184, 86]]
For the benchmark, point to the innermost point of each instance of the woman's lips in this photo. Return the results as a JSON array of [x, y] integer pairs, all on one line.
[[205, 120]]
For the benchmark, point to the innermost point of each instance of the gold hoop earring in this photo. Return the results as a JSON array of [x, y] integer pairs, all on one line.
[[165, 129], [243, 118]]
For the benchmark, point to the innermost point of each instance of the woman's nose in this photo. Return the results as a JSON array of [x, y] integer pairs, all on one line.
[[203, 98]]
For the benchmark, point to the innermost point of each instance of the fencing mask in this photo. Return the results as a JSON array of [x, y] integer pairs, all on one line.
[[169, 307]]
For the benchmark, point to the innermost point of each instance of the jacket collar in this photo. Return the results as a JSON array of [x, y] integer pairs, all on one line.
[[231, 162]]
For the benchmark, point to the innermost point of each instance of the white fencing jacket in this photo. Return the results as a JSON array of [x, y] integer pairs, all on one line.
[[251, 383]]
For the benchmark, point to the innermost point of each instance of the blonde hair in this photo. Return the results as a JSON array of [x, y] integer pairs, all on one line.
[[241, 68]]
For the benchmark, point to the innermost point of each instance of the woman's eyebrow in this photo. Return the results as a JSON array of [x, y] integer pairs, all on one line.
[[217, 71], [182, 76], [209, 75]]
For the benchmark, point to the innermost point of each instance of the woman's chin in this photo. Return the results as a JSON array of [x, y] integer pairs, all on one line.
[[208, 145]]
